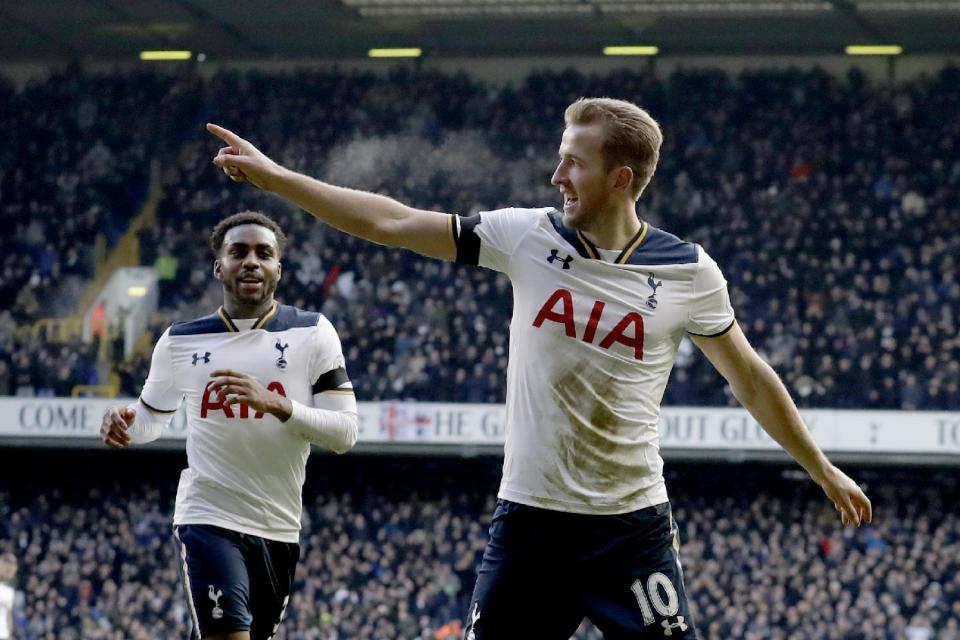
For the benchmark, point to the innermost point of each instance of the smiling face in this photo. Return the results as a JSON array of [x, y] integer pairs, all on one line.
[[582, 176], [248, 265]]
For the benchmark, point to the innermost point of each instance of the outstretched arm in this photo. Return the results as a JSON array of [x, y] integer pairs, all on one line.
[[758, 388], [366, 215]]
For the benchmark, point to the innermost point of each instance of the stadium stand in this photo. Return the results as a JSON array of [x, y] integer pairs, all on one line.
[[74, 164], [829, 204], [381, 559]]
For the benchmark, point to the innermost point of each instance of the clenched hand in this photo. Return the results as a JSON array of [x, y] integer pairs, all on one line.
[[113, 427]]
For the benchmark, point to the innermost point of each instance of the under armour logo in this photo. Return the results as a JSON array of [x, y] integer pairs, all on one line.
[[217, 612], [554, 255], [205, 357], [652, 300], [474, 616], [281, 361], [668, 626]]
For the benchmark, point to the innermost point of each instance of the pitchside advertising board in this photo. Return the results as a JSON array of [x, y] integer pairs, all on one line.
[[922, 436]]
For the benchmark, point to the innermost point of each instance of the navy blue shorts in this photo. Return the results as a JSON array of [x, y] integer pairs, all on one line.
[[234, 581], [544, 571]]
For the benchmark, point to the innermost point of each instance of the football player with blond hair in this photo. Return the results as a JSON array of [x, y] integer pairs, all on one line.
[[602, 300]]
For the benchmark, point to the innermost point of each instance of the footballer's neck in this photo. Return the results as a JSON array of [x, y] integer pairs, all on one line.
[[613, 229], [242, 310]]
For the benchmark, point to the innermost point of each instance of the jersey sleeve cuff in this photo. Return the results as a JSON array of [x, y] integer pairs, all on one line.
[[155, 409], [715, 335]]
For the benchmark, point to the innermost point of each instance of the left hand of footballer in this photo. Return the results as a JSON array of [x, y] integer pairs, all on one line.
[[847, 497], [235, 387]]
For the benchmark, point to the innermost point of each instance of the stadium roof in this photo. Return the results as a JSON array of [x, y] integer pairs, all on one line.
[[304, 29]]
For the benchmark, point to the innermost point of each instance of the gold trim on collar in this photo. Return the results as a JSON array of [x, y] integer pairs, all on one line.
[[265, 317], [591, 248], [633, 244], [262, 320], [226, 320]]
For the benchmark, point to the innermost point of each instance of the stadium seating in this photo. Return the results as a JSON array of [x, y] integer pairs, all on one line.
[[830, 204], [763, 554]]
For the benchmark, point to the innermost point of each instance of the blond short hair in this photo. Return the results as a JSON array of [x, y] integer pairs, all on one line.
[[633, 137]]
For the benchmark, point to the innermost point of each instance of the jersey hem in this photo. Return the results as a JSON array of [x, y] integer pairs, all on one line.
[[239, 528], [656, 495]]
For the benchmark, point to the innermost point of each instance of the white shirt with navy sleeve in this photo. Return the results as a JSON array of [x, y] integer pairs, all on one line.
[[245, 469], [593, 338]]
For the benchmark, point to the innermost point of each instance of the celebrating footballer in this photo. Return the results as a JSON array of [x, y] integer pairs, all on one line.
[[602, 300]]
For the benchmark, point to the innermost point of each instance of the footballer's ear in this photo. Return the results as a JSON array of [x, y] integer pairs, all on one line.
[[218, 269], [624, 177]]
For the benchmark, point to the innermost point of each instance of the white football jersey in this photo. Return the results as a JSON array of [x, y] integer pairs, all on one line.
[[245, 469], [593, 338]]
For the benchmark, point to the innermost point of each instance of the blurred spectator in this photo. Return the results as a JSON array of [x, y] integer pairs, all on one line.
[[74, 165], [8, 595], [390, 552], [830, 204]]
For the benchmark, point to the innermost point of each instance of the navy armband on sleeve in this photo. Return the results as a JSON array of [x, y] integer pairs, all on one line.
[[466, 239], [330, 380]]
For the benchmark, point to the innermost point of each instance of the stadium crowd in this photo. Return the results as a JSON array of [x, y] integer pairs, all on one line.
[[830, 203], [74, 164], [763, 553]]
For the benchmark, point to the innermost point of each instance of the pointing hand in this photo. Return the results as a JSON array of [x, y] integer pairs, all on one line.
[[243, 162]]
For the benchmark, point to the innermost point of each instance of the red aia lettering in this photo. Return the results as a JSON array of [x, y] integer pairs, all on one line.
[[210, 402], [619, 334], [628, 332], [564, 317]]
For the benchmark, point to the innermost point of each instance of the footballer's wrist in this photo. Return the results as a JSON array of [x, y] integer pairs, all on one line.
[[821, 471], [281, 407]]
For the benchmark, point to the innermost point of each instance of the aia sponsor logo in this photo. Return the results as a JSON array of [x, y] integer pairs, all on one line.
[[210, 402], [559, 309]]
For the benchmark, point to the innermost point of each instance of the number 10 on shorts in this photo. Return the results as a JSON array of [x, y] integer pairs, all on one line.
[[650, 598]]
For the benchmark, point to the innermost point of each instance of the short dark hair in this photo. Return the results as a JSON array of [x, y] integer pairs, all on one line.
[[245, 217]]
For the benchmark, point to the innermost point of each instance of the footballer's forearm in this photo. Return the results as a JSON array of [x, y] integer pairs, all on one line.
[[768, 401], [359, 213], [336, 430], [368, 215], [147, 425]]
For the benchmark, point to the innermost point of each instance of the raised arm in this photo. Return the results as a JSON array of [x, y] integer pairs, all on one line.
[[366, 215], [758, 388]]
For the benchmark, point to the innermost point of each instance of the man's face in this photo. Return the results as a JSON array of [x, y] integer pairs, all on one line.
[[582, 177], [8, 569], [249, 264]]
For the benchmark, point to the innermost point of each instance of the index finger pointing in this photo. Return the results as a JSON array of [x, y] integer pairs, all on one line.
[[225, 134]]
